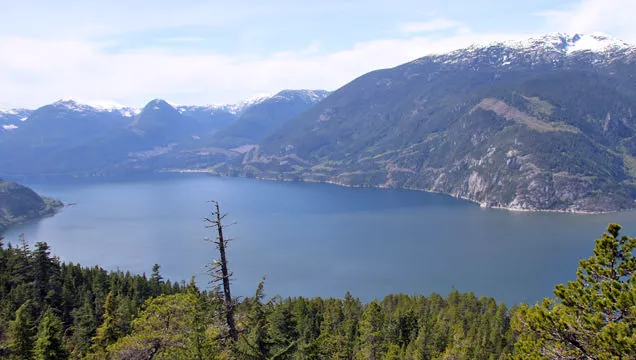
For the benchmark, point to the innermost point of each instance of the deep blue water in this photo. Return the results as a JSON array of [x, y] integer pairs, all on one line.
[[317, 239]]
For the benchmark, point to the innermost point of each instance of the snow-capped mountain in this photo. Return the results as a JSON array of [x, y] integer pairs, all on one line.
[[232, 110], [543, 123], [554, 49], [73, 105], [308, 96], [70, 136], [263, 115]]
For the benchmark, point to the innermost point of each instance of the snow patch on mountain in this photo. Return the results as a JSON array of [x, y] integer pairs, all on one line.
[[130, 112], [571, 43], [241, 106], [9, 112], [74, 105], [551, 48], [308, 96]]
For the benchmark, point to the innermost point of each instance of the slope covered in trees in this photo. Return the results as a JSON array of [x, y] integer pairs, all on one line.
[[19, 203]]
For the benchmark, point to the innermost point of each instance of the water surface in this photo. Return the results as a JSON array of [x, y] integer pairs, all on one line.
[[318, 239]]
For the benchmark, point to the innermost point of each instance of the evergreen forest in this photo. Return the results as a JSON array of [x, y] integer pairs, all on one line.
[[55, 310]]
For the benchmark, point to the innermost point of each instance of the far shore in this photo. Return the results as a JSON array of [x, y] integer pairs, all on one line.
[[481, 204]]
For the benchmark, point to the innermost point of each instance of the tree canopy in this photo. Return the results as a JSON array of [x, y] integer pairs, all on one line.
[[592, 317]]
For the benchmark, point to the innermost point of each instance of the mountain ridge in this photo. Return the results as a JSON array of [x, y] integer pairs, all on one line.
[[545, 123], [526, 128], [70, 138]]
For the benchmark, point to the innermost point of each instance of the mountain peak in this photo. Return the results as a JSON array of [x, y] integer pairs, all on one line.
[[71, 104], [570, 43], [309, 96], [79, 106], [549, 49], [158, 104]]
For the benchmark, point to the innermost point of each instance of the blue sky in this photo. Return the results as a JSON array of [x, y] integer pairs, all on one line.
[[201, 52]]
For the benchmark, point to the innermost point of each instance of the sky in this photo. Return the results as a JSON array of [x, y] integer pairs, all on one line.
[[216, 52]]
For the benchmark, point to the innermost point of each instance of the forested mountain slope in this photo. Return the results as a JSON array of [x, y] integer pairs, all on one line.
[[546, 123], [19, 203]]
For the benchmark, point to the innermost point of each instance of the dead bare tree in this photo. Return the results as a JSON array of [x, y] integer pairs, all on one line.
[[219, 269]]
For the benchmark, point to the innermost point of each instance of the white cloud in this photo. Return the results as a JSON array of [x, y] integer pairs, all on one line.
[[429, 26], [614, 17], [34, 72]]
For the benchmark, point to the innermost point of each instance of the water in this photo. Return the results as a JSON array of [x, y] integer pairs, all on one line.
[[317, 239]]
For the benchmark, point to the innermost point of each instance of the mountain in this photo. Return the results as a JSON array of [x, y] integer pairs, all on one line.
[[265, 116], [542, 124], [209, 118], [71, 138], [19, 203], [12, 119], [63, 136], [159, 123]]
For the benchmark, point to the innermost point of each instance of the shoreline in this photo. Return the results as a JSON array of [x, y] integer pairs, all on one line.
[[481, 204]]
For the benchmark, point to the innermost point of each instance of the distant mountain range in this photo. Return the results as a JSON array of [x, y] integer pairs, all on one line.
[[68, 138], [542, 124]]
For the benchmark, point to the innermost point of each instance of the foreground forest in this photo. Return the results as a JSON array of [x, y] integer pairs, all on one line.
[[55, 310]]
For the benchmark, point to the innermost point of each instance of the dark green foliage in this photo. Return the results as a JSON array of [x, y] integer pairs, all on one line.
[[90, 313], [592, 317], [22, 330], [48, 307], [48, 343], [53, 310], [170, 327], [371, 337], [266, 336], [460, 326]]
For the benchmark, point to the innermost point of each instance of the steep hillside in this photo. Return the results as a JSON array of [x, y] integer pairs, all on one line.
[[266, 116], [546, 123], [19, 203]]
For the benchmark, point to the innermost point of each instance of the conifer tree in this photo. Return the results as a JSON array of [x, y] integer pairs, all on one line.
[[261, 341], [22, 331], [43, 268], [109, 331], [371, 325], [593, 317], [156, 280], [83, 328], [48, 343], [169, 327]]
